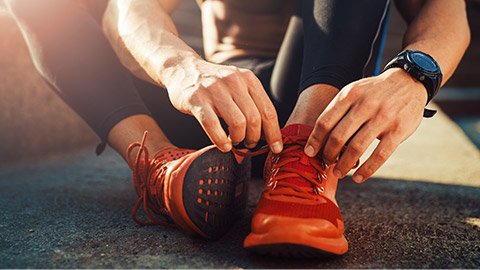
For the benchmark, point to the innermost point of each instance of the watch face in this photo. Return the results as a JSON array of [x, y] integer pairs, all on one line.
[[424, 61]]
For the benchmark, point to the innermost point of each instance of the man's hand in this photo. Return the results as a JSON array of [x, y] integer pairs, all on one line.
[[388, 107], [207, 91], [146, 40]]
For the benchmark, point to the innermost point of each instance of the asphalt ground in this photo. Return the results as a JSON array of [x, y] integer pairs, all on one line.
[[422, 209], [74, 212]]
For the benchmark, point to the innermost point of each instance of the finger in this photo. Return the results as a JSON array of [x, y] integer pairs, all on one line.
[[356, 147], [234, 118], [382, 152], [329, 118], [253, 120], [342, 132], [247, 106], [268, 114], [211, 124]]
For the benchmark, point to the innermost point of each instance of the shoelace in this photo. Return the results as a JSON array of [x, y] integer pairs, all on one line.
[[145, 171], [293, 152]]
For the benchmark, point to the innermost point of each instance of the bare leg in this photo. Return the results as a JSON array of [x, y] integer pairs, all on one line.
[[131, 130], [311, 103]]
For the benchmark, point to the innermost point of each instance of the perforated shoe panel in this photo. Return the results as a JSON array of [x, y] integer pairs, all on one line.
[[214, 191]]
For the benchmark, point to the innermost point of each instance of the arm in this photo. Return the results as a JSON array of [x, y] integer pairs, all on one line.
[[445, 37], [146, 41], [390, 106], [138, 30]]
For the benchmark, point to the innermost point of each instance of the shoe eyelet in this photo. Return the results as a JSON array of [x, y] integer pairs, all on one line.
[[321, 176], [274, 172], [319, 190], [272, 184]]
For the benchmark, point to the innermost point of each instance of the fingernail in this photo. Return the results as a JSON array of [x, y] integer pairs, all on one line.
[[309, 151], [250, 145], [226, 147], [277, 147], [358, 178], [328, 162], [337, 173]]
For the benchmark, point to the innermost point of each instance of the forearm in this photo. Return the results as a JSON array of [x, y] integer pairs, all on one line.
[[145, 39], [441, 30]]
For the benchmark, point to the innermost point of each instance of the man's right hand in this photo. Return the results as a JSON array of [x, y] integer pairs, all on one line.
[[146, 41], [209, 91]]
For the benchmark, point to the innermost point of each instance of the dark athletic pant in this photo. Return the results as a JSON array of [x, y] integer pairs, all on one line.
[[328, 41]]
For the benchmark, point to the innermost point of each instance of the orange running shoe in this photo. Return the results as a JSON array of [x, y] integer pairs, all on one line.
[[202, 192], [297, 214]]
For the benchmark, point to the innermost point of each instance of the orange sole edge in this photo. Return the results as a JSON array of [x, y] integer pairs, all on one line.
[[281, 243]]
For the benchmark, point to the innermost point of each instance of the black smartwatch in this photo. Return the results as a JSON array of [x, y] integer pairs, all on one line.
[[423, 68]]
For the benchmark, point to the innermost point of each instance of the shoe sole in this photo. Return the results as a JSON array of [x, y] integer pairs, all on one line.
[[214, 192], [295, 244], [287, 250]]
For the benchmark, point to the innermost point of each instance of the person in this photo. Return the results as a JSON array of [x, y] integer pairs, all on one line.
[[306, 66]]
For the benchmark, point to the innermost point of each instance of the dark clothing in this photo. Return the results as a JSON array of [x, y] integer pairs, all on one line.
[[340, 39], [332, 41]]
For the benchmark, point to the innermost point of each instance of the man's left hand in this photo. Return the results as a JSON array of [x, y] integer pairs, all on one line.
[[388, 107]]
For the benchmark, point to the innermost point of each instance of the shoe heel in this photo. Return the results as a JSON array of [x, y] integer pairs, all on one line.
[[209, 193]]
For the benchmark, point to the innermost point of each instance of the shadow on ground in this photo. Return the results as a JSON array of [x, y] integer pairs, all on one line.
[[74, 212]]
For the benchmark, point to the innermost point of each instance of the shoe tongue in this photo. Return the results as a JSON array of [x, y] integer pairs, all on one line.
[[299, 130]]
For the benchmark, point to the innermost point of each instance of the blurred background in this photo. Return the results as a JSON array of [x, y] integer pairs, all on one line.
[[36, 124], [63, 207]]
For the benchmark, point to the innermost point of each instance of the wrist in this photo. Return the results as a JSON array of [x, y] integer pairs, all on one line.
[[403, 78], [421, 67], [177, 69]]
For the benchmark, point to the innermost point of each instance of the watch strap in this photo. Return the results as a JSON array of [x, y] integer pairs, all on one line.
[[427, 113]]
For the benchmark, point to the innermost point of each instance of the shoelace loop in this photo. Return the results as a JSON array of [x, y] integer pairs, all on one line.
[[290, 154], [145, 170]]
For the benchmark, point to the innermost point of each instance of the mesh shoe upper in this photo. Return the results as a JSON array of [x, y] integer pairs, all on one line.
[[201, 191], [148, 177], [295, 183], [297, 214]]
